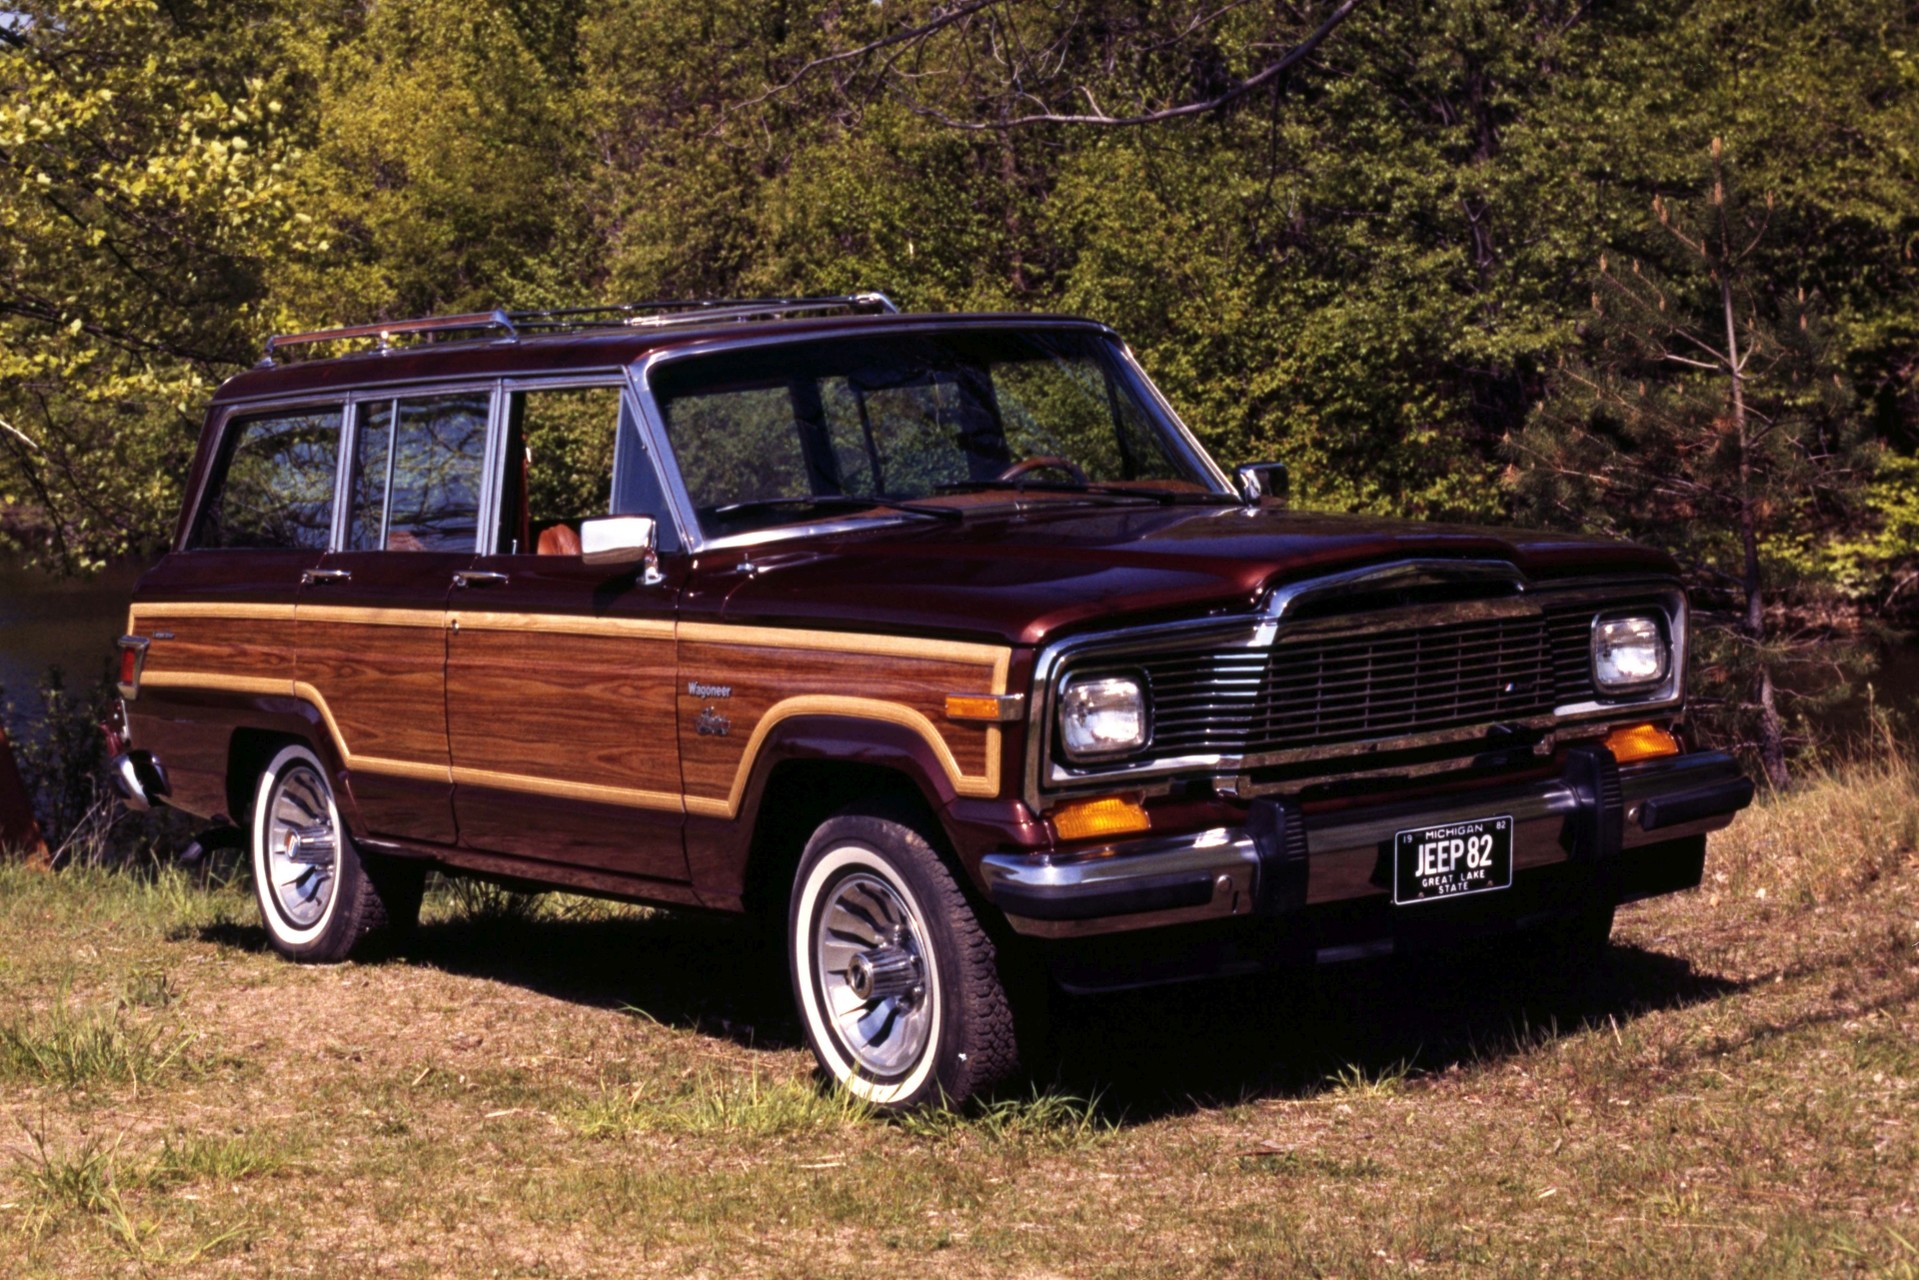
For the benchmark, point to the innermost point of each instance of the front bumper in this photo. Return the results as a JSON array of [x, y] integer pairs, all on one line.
[[1595, 834]]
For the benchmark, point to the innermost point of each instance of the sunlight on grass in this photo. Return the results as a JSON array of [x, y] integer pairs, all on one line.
[[717, 1102], [1053, 1120], [1355, 1081], [1838, 829], [71, 1048]]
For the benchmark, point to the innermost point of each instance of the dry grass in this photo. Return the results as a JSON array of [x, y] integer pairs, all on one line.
[[562, 1090]]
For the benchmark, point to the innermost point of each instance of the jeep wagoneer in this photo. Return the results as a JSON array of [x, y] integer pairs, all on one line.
[[937, 639]]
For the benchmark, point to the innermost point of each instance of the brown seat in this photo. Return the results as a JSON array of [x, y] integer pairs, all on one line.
[[559, 540]]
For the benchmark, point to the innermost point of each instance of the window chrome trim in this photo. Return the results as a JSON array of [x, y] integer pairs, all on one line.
[[1048, 779]]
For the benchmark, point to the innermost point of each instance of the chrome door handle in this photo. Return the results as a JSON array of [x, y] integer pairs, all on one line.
[[320, 577], [479, 578]]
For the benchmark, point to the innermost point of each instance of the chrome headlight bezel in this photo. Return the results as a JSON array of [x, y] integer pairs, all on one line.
[[1645, 631], [1106, 694]]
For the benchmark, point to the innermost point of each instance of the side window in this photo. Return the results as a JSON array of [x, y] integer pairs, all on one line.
[[417, 468], [559, 467], [273, 489]]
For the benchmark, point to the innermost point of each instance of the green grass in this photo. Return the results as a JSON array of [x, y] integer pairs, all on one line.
[[70, 1048], [561, 1088]]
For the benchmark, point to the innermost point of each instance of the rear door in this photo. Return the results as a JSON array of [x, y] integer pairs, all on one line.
[[372, 622], [560, 676]]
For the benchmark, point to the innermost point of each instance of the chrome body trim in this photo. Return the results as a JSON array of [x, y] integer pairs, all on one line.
[[1342, 850], [1048, 778], [138, 779]]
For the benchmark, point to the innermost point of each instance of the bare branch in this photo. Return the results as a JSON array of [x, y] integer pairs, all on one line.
[[1264, 76], [910, 35], [1009, 52]]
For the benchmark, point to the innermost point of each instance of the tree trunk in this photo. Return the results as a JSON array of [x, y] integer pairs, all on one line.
[[19, 833], [1772, 735]]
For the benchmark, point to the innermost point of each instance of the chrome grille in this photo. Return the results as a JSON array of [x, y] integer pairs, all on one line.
[[1358, 687], [1572, 653], [1348, 688]]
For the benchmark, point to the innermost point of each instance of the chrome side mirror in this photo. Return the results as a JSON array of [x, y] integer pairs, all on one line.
[[1259, 480], [620, 542]]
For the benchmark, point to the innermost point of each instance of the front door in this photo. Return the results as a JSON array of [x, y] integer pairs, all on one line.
[[560, 676], [372, 622]]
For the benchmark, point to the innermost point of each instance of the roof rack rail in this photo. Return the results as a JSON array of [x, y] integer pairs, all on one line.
[[510, 325]]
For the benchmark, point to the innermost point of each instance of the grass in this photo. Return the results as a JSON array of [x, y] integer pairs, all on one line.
[[73, 1048], [556, 1088]]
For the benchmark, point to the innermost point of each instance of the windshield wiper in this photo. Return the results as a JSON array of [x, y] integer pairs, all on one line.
[[1158, 497], [840, 500]]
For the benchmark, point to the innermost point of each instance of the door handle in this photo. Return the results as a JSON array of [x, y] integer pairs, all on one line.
[[479, 578], [320, 577]]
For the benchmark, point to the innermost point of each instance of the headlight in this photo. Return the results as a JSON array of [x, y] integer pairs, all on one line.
[[1629, 653], [1103, 717]]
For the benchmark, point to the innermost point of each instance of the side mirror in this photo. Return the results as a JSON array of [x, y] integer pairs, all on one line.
[[1263, 480], [620, 542]]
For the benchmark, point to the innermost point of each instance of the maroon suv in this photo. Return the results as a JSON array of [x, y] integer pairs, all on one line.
[[938, 638]]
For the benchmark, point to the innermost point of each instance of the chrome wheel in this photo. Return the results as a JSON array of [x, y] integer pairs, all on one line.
[[302, 845], [873, 970]]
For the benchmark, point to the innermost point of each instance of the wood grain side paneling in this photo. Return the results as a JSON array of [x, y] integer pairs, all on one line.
[[382, 689], [773, 676], [255, 646], [569, 714]]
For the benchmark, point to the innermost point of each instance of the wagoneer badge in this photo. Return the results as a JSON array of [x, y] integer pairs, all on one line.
[[699, 690]]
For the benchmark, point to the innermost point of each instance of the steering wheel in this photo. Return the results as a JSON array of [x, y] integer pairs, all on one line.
[[1044, 462]]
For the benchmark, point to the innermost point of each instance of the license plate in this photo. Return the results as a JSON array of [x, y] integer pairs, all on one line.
[[1459, 858]]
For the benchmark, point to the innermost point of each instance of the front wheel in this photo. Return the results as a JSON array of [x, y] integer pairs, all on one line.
[[319, 897], [897, 981]]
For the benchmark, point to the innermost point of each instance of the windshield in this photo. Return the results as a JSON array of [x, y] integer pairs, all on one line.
[[794, 432]]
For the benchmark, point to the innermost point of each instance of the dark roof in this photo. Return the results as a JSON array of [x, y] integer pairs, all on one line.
[[580, 351]]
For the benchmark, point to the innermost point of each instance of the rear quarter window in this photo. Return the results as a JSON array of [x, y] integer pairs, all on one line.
[[272, 488]]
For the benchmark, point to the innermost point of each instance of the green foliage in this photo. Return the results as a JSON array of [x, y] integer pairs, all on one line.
[[1371, 269]]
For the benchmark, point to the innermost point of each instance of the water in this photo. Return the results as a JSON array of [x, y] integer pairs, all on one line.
[[46, 620]]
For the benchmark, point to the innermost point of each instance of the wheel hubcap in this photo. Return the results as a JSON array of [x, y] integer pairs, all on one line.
[[303, 850], [872, 971]]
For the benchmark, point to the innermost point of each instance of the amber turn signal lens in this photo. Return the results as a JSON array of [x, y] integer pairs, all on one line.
[[976, 706], [1107, 816], [1641, 742]]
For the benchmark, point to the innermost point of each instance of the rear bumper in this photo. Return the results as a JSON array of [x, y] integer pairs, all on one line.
[[1594, 835], [138, 779]]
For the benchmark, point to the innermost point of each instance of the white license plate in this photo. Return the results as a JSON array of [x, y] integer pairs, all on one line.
[[1450, 861]]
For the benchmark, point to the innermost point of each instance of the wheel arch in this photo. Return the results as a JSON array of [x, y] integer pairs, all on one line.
[[813, 767]]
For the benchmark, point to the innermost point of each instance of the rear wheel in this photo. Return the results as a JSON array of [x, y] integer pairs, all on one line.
[[897, 981], [320, 899]]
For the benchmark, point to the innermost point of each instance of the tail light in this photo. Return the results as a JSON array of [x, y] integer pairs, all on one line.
[[133, 656]]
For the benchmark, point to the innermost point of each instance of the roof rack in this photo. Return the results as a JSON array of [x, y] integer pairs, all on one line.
[[630, 315]]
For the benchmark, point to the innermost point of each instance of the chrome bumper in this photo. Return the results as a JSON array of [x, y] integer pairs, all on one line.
[[138, 779], [1595, 814]]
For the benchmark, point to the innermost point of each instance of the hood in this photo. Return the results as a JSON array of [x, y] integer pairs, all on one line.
[[1032, 577]]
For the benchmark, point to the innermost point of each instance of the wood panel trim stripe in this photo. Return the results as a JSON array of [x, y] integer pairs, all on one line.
[[631, 797], [566, 624], [305, 693], [235, 611], [982, 655], [984, 785]]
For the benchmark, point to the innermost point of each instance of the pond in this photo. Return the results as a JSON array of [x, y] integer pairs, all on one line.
[[46, 620]]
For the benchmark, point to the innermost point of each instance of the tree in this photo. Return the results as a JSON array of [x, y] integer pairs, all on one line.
[[144, 183], [1703, 413]]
